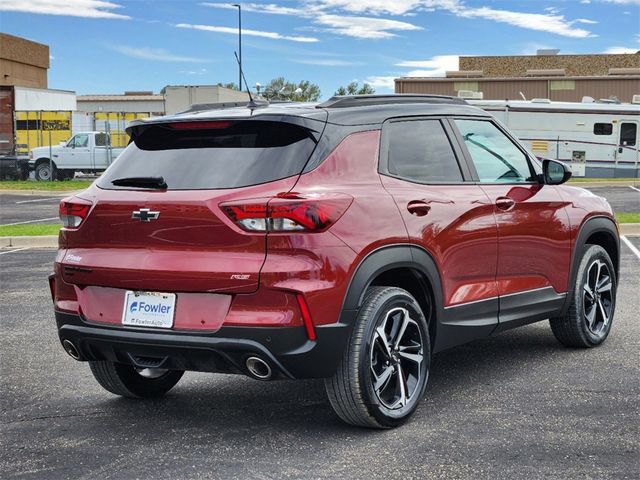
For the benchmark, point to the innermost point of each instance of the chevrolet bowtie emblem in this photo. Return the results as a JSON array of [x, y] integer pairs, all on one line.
[[145, 215]]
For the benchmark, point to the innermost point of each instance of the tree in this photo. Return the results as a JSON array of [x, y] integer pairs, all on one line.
[[281, 89], [231, 85], [355, 89]]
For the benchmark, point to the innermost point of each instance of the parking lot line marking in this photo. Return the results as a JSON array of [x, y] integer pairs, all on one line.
[[15, 250], [636, 189], [29, 221], [633, 248], [38, 200]]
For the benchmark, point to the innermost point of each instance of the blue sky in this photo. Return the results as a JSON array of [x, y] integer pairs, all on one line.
[[109, 46]]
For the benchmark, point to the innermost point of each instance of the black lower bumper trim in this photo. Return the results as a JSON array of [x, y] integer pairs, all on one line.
[[287, 349]]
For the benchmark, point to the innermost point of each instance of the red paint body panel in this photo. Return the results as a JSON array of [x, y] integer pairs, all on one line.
[[192, 247], [320, 265], [459, 231], [534, 238]]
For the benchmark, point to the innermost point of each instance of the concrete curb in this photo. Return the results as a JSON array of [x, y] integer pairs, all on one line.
[[51, 241], [41, 241], [630, 229]]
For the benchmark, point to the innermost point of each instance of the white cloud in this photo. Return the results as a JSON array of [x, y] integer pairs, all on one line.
[[620, 50], [252, 33], [552, 23], [346, 25], [624, 2], [384, 82], [200, 71], [155, 54], [257, 7], [73, 8], [433, 67], [326, 13], [363, 27]]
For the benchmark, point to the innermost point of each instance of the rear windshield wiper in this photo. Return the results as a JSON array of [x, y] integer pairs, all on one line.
[[142, 182]]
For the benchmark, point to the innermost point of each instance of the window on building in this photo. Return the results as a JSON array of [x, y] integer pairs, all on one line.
[[419, 151], [562, 85], [602, 128], [471, 86]]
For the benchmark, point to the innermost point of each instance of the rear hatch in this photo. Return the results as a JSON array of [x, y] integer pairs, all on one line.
[[140, 235]]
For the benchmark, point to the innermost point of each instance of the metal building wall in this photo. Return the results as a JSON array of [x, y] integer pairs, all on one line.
[[500, 89]]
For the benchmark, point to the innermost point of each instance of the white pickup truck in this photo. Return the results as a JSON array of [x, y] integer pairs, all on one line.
[[86, 152]]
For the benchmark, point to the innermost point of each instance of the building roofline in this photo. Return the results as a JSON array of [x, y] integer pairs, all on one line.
[[515, 79]]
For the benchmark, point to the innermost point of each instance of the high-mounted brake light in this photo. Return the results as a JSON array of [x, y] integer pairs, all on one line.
[[289, 213], [73, 211], [200, 125]]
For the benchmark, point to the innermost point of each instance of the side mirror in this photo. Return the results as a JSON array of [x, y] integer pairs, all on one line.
[[63, 144], [555, 172]]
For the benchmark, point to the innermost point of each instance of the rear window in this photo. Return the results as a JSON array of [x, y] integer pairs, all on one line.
[[213, 155]]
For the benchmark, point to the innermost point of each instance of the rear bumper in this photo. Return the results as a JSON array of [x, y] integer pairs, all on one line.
[[287, 349]]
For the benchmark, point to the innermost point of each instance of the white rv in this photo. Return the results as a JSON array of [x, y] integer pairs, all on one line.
[[596, 139]]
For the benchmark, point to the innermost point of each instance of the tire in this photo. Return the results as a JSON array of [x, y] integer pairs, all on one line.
[[44, 173], [66, 174], [589, 317], [366, 360], [127, 381]]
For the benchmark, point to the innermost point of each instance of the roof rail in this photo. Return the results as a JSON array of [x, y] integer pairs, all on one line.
[[369, 100]]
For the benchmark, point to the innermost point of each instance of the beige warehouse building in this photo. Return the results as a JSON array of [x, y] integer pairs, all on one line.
[[23, 63], [566, 78]]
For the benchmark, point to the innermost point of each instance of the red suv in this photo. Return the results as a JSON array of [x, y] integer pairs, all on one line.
[[349, 240]]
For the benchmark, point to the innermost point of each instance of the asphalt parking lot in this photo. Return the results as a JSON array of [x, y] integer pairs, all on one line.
[[27, 208], [517, 405]]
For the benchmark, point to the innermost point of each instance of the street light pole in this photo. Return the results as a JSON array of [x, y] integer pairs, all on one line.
[[239, 44]]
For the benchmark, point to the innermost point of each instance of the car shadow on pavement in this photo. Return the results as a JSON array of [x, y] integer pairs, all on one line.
[[236, 403]]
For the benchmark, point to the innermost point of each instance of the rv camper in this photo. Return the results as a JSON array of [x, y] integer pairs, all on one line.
[[598, 139]]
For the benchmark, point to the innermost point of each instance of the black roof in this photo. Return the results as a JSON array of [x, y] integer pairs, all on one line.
[[347, 110]]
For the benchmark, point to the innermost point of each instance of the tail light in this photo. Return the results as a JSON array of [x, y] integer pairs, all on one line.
[[73, 211], [289, 212]]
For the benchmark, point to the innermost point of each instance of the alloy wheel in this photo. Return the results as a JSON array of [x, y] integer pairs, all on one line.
[[396, 359], [597, 297]]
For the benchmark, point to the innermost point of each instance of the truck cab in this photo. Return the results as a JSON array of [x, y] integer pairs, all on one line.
[[85, 151]]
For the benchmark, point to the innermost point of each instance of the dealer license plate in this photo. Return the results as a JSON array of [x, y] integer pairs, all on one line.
[[149, 309]]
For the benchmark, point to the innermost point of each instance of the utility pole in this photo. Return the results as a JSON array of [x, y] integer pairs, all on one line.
[[239, 45]]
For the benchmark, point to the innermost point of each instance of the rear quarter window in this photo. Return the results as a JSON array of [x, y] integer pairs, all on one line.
[[213, 155]]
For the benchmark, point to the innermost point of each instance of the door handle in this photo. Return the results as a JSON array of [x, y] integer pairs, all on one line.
[[505, 203], [418, 208]]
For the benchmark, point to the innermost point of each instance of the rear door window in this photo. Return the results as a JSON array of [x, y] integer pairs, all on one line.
[[214, 154], [420, 151]]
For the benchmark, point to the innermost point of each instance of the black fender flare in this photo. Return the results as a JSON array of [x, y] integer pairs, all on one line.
[[593, 225], [383, 259]]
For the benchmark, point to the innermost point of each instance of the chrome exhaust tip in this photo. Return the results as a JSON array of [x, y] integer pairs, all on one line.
[[258, 368], [71, 349]]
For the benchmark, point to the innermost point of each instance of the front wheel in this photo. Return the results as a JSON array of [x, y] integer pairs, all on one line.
[[588, 320], [132, 382], [384, 370]]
